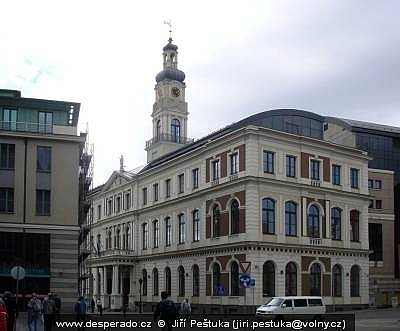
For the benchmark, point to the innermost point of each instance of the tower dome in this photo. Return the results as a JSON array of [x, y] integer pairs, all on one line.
[[170, 69]]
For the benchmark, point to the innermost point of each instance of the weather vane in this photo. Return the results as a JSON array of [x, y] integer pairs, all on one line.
[[169, 23]]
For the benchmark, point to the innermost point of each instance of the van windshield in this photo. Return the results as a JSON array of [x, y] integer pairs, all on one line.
[[275, 302]]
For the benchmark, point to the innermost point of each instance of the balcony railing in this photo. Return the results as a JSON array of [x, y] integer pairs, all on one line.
[[315, 182], [315, 241], [165, 137], [26, 127]]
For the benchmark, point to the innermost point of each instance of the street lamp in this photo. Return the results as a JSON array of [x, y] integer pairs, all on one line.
[[140, 295]]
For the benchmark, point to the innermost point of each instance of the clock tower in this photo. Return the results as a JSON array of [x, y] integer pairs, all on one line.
[[170, 108]]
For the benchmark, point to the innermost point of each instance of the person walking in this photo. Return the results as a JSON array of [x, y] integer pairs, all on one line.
[[99, 307], [3, 315], [92, 305], [11, 308], [166, 311], [186, 309], [80, 311], [34, 313], [49, 309]]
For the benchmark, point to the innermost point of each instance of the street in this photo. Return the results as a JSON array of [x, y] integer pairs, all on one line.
[[380, 319]]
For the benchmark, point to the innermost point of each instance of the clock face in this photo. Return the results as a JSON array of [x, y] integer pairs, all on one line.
[[175, 92]]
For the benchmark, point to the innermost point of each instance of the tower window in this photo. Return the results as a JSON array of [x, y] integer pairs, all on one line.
[[175, 130]]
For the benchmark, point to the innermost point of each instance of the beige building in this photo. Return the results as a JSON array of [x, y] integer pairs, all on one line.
[[288, 209], [39, 194]]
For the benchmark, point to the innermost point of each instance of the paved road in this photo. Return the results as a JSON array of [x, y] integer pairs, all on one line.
[[378, 320]]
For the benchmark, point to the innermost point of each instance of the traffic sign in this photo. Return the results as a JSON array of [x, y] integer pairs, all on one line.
[[244, 280], [220, 290], [245, 266], [18, 272], [252, 283]]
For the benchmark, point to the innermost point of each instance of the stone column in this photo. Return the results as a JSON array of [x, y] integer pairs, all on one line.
[[103, 285], [95, 275], [115, 297]]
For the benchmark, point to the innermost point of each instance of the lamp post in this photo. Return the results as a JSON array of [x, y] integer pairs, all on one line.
[[140, 295]]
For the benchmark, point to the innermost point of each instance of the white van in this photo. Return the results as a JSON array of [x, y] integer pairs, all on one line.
[[280, 306]]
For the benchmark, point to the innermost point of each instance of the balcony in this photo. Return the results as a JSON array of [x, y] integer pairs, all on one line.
[[165, 137], [315, 183], [315, 241], [26, 127], [215, 182]]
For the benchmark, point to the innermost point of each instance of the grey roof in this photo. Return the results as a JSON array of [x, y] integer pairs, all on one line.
[[371, 126], [170, 73], [170, 46]]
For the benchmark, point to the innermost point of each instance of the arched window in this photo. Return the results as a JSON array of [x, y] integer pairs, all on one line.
[[313, 222], [196, 225], [118, 238], [156, 233], [234, 217], [269, 279], [291, 279], [168, 280], [144, 236], [155, 282], [175, 130], [315, 279], [128, 237], [336, 221], [158, 130], [196, 280], [234, 278], [355, 281], [216, 224], [181, 228], [168, 231], [108, 240], [337, 281], [181, 281], [98, 244], [216, 278], [144, 282], [268, 216], [354, 225], [290, 218]]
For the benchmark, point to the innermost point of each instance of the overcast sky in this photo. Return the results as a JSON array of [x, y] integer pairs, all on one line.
[[338, 58]]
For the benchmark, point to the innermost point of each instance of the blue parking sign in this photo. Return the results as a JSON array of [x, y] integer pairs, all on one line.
[[244, 280]]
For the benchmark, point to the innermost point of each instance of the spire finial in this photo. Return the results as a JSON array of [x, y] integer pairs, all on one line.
[[169, 23], [121, 163]]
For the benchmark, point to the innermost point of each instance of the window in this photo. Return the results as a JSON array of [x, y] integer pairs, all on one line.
[[45, 122], [168, 280], [268, 216], [300, 302], [195, 178], [126, 244], [370, 183], [216, 278], [268, 279], [127, 200], [313, 222], [378, 184], [355, 281], [43, 159], [118, 203], [144, 196], [234, 161], [181, 228], [336, 224], [181, 183], [42, 202], [9, 119], [196, 225], [291, 218], [288, 303], [234, 278], [375, 241], [108, 239], [378, 204], [175, 130], [196, 280], [167, 188], [156, 233], [291, 279], [144, 236], [216, 224], [7, 156], [234, 217], [268, 161], [215, 169], [314, 170], [98, 212], [290, 166], [314, 302], [336, 281], [354, 177], [155, 191], [336, 174], [117, 243], [144, 282], [158, 130], [354, 225], [109, 206], [315, 279], [181, 281], [167, 231], [155, 282], [6, 200], [371, 203]]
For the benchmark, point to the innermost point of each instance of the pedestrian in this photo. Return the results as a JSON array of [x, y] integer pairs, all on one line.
[[123, 308], [80, 311], [3, 315], [11, 310], [186, 309], [99, 307], [49, 309], [92, 305], [166, 311], [35, 318]]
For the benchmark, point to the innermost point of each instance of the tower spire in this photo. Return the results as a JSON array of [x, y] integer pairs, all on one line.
[[169, 23]]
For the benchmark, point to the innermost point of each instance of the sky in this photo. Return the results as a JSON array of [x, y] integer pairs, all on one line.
[[337, 58]]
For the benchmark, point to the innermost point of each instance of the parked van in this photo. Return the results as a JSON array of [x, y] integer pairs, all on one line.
[[280, 306]]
